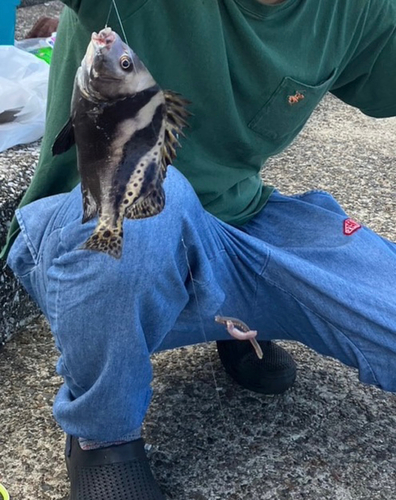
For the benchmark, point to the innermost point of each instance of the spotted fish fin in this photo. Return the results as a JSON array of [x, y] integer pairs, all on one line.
[[176, 120], [151, 205], [107, 240], [89, 204], [65, 139]]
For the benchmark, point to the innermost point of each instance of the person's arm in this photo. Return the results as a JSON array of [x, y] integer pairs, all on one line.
[[93, 14], [368, 80]]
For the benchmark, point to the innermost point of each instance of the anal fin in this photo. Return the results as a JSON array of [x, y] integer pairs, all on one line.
[[151, 205]]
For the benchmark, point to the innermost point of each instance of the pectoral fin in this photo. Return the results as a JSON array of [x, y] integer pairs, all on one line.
[[64, 140]]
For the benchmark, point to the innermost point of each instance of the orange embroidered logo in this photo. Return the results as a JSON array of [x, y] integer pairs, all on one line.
[[294, 99]]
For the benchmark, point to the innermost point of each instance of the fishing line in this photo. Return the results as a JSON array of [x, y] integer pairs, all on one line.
[[119, 20], [217, 387], [113, 4], [108, 15]]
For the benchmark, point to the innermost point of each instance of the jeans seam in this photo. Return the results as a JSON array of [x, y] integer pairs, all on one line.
[[260, 275], [326, 321], [25, 275], [27, 239], [56, 329], [266, 262]]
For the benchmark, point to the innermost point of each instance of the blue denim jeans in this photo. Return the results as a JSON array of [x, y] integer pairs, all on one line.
[[298, 271]]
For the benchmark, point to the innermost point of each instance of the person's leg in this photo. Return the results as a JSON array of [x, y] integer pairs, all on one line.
[[290, 274], [109, 315], [328, 283], [177, 271]]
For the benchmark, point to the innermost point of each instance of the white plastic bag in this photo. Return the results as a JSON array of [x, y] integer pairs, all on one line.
[[23, 96]]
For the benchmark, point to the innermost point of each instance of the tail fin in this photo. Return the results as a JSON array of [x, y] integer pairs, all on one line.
[[105, 240]]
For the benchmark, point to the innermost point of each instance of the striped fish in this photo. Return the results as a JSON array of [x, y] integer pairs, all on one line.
[[125, 128]]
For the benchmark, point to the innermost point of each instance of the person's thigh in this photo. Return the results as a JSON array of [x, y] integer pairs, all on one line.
[[295, 272], [178, 270], [107, 315], [329, 284]]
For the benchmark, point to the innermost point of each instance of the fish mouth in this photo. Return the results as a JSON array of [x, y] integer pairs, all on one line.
[[98, 49], [105, 38]]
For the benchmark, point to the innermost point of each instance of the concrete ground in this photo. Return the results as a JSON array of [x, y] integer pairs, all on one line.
[[329, 437], [30, 3]]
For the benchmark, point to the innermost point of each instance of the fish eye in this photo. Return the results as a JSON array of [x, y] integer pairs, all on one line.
[[125, 62]]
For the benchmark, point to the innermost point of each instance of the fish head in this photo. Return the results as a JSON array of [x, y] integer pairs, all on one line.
[[110, 69]]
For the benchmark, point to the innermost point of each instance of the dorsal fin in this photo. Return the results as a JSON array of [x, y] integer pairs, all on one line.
[[176, 120]]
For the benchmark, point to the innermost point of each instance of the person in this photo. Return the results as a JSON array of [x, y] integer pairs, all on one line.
[[226, 243]]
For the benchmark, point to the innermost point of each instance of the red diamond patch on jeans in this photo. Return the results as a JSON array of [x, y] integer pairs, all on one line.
[[350, 226]]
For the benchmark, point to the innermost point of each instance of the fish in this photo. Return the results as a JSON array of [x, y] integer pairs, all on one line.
[[126, 129]]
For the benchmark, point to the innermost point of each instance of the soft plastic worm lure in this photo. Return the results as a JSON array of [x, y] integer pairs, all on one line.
[[239, 330]]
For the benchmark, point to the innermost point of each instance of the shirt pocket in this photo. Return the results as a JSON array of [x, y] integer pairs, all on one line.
[[288, 109]]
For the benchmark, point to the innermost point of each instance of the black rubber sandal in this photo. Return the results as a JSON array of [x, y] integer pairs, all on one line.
[[273, 374], [119, 472]]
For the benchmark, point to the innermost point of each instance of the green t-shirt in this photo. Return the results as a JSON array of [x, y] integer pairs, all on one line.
[[254, 73]]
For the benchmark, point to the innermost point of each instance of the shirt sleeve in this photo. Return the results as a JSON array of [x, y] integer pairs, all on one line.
[[368, 79]]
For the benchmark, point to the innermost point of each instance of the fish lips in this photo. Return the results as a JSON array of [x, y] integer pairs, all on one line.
[[105, 36]]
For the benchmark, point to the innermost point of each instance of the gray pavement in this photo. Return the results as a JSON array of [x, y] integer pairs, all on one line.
[[329, 437], [30, 3]]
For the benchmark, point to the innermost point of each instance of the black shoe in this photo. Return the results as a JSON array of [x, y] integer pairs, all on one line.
[[119, 472], [273, 374]]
